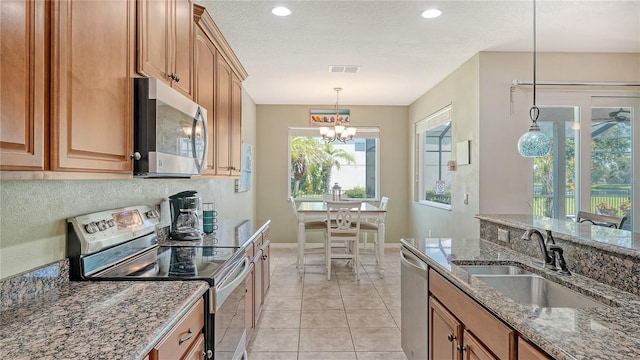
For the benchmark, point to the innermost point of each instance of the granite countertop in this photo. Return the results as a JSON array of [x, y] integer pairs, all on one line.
[[611, 332], [600, 237], [230, 233], [96, 320]]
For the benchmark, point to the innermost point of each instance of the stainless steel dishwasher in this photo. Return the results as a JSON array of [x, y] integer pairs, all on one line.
[[414, 294]]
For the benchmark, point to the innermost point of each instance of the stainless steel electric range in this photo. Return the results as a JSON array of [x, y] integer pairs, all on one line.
[[122, 244]]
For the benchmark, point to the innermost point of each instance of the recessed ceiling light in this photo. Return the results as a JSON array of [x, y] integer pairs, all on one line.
[[280, 11], [431, 13]]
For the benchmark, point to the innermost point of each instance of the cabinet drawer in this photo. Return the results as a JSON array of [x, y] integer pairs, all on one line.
[[491, 331], [181, 336]]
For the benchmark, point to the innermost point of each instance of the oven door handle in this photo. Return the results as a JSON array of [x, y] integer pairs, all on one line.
[[222, 291]]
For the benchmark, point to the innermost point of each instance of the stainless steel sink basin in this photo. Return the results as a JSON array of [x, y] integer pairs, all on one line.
[[494, 269], [535, 290]]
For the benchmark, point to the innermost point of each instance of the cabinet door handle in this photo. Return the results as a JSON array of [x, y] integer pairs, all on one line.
[[186, 338], [461, 348], [451, 337], [264, 257]]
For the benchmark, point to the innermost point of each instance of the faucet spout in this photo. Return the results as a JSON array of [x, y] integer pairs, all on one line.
[[549, 261]]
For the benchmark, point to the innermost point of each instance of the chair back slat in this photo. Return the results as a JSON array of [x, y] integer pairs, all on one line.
[[601, 220]]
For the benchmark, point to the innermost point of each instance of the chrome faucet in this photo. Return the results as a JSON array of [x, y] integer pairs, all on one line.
[[554, 251]]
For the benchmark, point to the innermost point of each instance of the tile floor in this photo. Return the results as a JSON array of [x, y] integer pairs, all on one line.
[[307, 317]]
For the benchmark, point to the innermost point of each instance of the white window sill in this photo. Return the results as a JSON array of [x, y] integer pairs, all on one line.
[[435, 205]]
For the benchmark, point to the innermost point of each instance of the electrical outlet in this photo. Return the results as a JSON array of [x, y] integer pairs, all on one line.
[[503, 235]]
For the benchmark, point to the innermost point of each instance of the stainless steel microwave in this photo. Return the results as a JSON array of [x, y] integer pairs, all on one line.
[[170, 132]]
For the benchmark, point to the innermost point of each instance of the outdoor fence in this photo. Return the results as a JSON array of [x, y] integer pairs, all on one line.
[[609, 202]]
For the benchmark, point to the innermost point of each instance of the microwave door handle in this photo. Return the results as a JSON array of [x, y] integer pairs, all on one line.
[[200, 160]]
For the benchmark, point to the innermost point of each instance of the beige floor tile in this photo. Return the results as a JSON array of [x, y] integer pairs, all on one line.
[[325, 340], [273, 302], [370, 319], [333, 355], [286, 290], [286, 280], [321, 290], [323, 319], [395, 314], [351, 280], [268, 355], [380, 356], [323, 303], [318, 278], [279, 319], [376, 339], [367, 301], [289, 269], [270, 340], [358, 290]]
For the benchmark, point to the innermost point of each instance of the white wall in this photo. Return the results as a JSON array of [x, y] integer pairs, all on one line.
[[273, 122], [33, 213], [499, 180]]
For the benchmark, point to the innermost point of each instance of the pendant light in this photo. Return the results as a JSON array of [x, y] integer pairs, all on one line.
[[339, 131], [534, 143]]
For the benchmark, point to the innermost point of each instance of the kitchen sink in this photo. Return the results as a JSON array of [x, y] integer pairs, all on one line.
[[531, 289], [494, 269]]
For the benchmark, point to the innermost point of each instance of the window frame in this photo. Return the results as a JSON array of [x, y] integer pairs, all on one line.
[[313, 131], [429, 123]]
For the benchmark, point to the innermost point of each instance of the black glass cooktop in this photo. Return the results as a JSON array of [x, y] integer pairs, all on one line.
[[170, 263]]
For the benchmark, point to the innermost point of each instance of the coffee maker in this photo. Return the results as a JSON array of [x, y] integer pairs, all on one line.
[[184, 216]]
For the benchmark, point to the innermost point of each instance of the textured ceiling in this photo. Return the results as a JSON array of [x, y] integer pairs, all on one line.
[[402, 55]]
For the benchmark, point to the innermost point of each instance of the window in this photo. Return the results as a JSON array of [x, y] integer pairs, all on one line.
[[315, 165], [433, 147], [590, 167]]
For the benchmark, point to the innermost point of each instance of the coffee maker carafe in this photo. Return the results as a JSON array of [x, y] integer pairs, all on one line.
[[184, 216]]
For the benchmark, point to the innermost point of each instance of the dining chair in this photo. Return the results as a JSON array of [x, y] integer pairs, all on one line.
[[615, 222], [309, 225], [343, 228], [371, 226]]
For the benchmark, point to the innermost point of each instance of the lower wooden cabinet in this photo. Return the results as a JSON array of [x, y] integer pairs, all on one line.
[[197, 350], [258, 281], [528, 351], [462, 329], [179, 343]]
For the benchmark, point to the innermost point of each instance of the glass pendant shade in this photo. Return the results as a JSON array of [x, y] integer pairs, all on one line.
[[534, 143]]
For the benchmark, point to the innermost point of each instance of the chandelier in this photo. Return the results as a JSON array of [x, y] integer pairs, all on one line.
[[339, 131], [534, 143]]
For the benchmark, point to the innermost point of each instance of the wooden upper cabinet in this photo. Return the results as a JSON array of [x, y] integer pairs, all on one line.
[[205, 61], [23, 84], [165, 42], [93, 49], [218, 87]]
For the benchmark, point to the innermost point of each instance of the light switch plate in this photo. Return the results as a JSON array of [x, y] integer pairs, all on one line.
[[503, 235]]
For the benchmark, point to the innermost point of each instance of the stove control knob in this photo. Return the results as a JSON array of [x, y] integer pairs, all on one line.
[[152, 214], [91, 228], [111, 223], [102, 225]]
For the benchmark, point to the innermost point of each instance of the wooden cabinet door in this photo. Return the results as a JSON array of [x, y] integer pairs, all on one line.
[[91, 75], [236, 127], [154, 21], [223, 117], [266, 269], [205, 76], [23, 85], [197, 350], [257, 287], [526, 351], [445, 333], [248, 301], [182, 47], [474, 349]]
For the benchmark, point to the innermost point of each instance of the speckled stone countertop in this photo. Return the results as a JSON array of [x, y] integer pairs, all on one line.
[[95, 320], [611, 332], [604, 238], [229, 233]]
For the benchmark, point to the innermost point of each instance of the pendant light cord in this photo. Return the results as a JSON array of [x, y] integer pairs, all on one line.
[[534, 112]]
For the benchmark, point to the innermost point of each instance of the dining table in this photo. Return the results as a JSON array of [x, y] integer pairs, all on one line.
[[317, 210]]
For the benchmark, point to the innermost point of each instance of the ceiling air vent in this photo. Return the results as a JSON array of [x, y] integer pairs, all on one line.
[[344, 69]]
